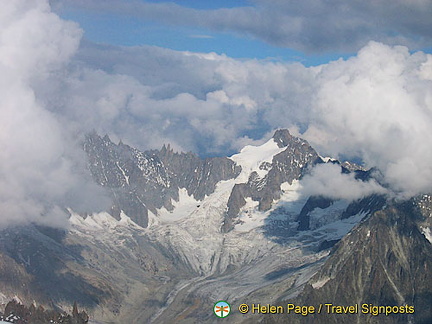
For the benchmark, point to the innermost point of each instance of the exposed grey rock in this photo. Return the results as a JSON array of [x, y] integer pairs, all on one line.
[[351, 166], [367, 205], [287, 166], [282, 137], [15, 312], [198, 176], [312, 203], [235, 202], [56, 267], [384, 261], [141, 181], [39, 256]]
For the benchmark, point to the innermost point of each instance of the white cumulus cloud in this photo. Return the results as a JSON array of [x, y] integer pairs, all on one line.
[[327, 180], [378, 106], [37, 159]]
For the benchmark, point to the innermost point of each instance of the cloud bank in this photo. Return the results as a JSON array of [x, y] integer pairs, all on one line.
[[38, 162], [378, 106], [54, 88]]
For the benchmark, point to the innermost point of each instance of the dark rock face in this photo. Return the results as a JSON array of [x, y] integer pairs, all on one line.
[[141, 181], [385, 260], [287, 166], [54, 267], [235, 202], [312, 203], [34, 264], [282, 137], [324, 245], [199, 177], [15, 312], [366, 206]]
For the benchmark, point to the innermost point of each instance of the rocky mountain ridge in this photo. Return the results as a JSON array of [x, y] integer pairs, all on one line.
[[286, 166], [15, 312], [142, 181], [386, 260]]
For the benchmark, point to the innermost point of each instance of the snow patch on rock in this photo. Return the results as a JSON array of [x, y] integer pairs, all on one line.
[[320, 283], [251, 157], [98, 222], [182, 208], [427, 233]]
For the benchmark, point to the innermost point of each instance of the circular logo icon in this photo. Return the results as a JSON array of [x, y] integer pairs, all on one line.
[[221, 309]]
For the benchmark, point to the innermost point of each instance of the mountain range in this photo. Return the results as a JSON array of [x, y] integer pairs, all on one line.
[[183, 232]]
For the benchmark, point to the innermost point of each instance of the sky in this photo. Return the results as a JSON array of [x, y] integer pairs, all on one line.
[[354, 78], [312, 32], [132, 30]]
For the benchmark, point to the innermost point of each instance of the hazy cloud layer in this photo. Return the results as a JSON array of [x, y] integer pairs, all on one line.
[[201, 102], [308, 25], [53, 89]]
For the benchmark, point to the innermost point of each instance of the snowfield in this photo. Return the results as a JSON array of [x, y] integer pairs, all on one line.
[[251, 157]]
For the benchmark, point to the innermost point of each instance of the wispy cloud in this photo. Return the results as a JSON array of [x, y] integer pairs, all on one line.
[[308, 25], [201, 36]]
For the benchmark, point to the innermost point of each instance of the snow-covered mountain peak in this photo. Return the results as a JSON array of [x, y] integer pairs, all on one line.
[[284, 158]]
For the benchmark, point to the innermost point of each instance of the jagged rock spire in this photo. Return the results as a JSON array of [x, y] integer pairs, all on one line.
[[282, 137]]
